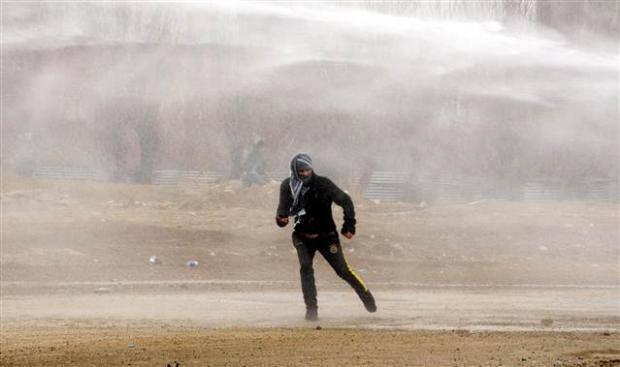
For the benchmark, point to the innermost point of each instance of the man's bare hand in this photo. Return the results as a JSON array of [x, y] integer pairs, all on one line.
[[348, 235], [281, 221]]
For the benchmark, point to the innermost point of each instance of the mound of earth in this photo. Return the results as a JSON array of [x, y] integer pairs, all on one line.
[[61, 231]]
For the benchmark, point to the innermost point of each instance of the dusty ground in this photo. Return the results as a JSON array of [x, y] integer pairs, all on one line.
[[159, 345], [78, 289], [75, 231]]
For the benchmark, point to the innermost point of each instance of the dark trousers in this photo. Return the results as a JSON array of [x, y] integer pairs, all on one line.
[[329, 247]]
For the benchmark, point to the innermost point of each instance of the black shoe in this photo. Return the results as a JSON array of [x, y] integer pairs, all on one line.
[[312, 314], [369, 301]]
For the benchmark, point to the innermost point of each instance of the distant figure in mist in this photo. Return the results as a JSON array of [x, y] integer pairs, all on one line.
[[308, 197], [254, 166]]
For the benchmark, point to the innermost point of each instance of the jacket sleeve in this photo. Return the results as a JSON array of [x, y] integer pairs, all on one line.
[[342, 199], [286, 200]]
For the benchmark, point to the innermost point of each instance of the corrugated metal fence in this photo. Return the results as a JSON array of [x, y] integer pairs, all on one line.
[[393, 186], [68, 173], [174, 178], [389, 185]]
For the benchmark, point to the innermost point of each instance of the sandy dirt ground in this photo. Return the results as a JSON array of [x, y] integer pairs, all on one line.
[[489, 283], [100, 344]]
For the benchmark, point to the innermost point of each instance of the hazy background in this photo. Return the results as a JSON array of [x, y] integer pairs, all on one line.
[[493, 124], [499, 93]]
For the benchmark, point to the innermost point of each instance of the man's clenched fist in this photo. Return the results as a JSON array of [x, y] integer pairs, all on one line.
[[281, 221]]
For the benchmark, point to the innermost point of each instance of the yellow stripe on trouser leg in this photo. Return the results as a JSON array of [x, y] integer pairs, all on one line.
[[356, 276]]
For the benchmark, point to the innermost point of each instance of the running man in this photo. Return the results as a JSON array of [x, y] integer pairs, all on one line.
[[308, 198]]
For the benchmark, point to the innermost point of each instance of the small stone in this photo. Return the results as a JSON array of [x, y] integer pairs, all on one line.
[[546, 322], [319, 327]]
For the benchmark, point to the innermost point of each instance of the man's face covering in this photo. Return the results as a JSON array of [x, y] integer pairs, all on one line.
[[305, 174]]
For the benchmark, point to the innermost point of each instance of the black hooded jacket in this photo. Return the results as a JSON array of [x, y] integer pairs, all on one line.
[[318, 206]]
